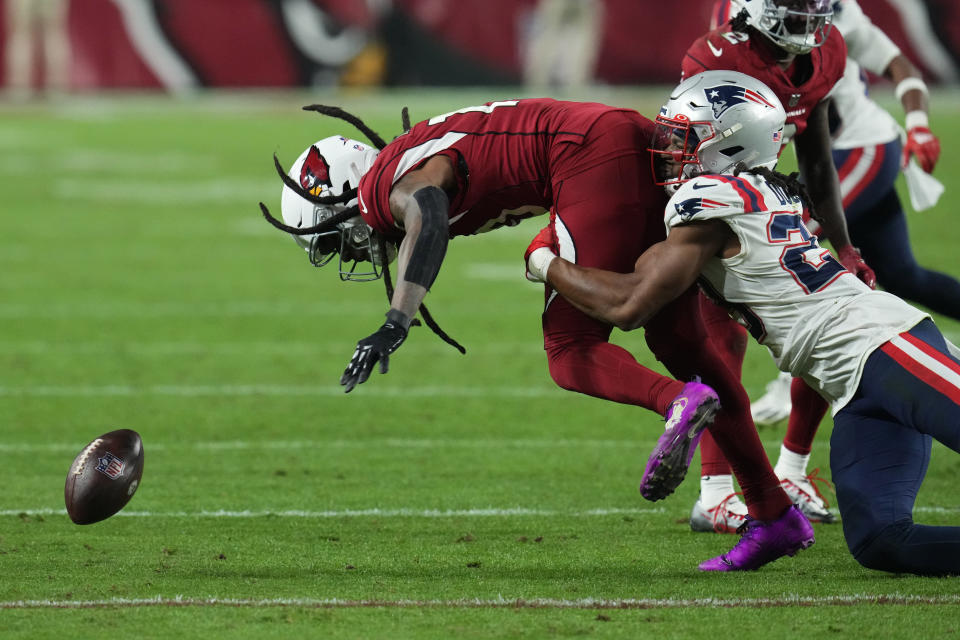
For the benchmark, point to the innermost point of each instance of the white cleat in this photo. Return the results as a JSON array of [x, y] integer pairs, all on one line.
[[774, 405], [726, 517], [804, 493]]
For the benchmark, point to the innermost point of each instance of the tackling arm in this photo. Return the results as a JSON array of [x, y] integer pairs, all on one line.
[[663, 272]]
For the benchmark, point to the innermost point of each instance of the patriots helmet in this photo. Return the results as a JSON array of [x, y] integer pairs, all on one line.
[[712, 122], [796, 26], [331, 168]]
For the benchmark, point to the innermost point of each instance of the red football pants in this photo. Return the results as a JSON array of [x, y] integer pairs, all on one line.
[[606, 218]]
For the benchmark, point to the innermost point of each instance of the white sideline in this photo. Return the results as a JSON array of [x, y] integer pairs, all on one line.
[[790, 600]]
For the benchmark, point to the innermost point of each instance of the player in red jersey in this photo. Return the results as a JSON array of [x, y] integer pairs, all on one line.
[[487, 166], [789, 46]]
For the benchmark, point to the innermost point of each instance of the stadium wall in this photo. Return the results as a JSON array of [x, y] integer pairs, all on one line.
[[185, 44]]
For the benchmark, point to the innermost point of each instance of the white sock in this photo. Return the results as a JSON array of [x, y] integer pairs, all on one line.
[[790, 464], [714, 489]]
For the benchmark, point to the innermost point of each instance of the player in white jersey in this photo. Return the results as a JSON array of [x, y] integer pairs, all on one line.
[[868, 155], [882, 364]]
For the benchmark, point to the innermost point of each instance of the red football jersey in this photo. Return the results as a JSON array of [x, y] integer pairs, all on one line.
[[726, 49], [507, 155]]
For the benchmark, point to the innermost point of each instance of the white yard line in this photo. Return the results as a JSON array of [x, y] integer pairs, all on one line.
[[643, 441], [273, 390], [353, 443], [511, 512], [164, 193], [233, 309], [41, 347], [494, 603], [360, 513]]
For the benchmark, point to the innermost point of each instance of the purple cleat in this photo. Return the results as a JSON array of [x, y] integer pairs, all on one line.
[[687, 416], [764, 542]]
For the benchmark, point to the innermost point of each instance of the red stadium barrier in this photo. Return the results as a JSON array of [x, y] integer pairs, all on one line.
[[181, 44]]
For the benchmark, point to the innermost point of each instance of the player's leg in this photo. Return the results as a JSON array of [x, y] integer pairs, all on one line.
[[791, 467], [602, 221], [606, 216], [804, 489], [19, 46], [56, 44], [581, 359], [606, 229], [885, 244], [678, 338], [718, 508], [878, 226], [880, 449]]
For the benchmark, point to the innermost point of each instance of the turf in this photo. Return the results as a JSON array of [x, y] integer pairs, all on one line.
[[455, 496]]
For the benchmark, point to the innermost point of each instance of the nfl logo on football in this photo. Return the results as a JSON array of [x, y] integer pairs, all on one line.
[[110, 466]]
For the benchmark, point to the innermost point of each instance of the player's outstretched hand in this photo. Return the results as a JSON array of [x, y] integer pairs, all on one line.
[[372, 349], [922, 144], [850, 258], [541, 252]]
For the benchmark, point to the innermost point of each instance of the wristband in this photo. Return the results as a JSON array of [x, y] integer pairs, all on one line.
[[399, 318], [916, 119], [909, 84], [539, 261]]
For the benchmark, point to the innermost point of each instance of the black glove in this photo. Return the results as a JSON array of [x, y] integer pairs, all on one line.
[[376, 347]]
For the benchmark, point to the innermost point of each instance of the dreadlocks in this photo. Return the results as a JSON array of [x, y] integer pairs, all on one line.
[[349, 212], [790, 184], [739, 21], [337, 112]]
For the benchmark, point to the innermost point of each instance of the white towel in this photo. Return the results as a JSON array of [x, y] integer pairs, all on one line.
[[924, 189]]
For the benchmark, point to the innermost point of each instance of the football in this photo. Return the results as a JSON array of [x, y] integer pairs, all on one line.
[[104, 476]]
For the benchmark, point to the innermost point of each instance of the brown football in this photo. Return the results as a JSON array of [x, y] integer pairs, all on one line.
[[104, 476]]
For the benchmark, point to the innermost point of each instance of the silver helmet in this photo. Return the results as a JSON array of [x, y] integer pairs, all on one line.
[[796, 26], [712, 122], [332, 167]]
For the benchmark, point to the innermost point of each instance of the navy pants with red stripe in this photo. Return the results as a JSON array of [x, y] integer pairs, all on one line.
[[908, 396], [878, 227]]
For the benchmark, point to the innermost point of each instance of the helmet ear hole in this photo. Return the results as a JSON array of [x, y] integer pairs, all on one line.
[[731, 151]]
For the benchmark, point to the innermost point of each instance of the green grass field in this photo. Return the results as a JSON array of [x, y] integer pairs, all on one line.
[[457, 496]]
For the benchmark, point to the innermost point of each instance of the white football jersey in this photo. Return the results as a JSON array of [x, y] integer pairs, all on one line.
[[864, 122], [816, 318]]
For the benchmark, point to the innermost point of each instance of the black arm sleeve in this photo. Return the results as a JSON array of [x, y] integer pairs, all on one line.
[[431, 244]]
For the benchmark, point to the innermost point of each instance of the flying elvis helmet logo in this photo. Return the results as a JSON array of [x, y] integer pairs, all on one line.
[[315, 173], [692, 206], [725, 96]]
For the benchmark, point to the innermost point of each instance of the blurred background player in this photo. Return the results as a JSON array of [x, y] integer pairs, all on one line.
[[563, 44], [788, 45], [868, 155], [881, 363], [588, 163], [30, 22]]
